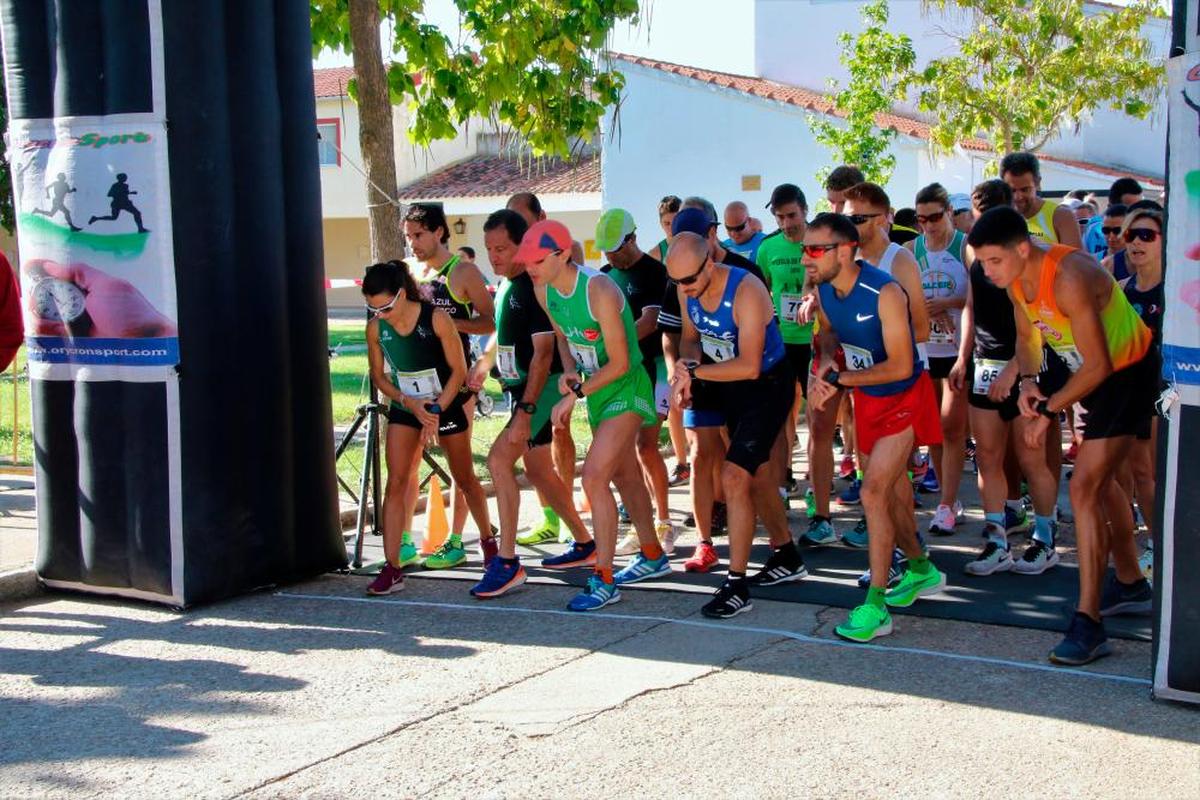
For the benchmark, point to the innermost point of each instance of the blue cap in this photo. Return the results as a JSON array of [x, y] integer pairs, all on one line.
[[692, 220]]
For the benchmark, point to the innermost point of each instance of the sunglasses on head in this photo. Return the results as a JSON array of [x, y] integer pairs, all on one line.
[[695, 276], [818, 250], [1113, 231], [375, 311], [1141, 235], [859, 219], [923, 220], [737, 228]]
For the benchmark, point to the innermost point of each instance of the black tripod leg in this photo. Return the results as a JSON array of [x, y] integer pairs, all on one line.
[[376, 476], [369, 458]]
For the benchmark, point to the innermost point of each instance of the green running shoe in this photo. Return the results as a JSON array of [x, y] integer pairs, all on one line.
[[409, 554], [913, 586], [450, 554], [865, 623], [545, 532], [810, 503]]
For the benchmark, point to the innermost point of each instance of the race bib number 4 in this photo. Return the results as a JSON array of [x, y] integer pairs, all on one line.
[[506, 362], [986, 372], [423, 385], [716, 349], [789, 307], [585, 358], [857, 358]]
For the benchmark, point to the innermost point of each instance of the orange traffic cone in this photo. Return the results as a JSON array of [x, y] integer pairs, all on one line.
[[437, 527]]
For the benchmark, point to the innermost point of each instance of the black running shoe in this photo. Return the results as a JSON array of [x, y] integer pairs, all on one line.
[[784, 565], [731, 599], [720, 518]]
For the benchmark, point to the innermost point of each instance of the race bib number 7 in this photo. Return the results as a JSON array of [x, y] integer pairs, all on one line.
[[585, 358], [987, 370], [423, 385], [857, 358], [789, 307]]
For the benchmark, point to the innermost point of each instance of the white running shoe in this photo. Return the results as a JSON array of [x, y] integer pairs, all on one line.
[[944, 520], [1036, 559], [629, 545], [667, 535], [993, 558]]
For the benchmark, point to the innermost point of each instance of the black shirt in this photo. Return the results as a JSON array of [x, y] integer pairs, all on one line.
[[995, 327], [644, 284], [520, 317], [1149, 306]]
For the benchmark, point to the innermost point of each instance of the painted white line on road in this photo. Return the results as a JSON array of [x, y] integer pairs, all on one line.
[[729, 628]]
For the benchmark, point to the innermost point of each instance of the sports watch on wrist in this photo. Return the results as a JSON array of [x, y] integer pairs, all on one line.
[[528, 408], [577, 389], [1043, 408], [691, 369], [433, 408]]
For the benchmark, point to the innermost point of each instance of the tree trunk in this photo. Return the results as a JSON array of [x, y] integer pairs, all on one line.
[[375, 131]]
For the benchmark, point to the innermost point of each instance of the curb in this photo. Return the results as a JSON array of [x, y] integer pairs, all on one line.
[[19, 584]]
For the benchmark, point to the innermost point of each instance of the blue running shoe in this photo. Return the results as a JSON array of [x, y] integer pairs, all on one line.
[[642, 569], [929, 484], [856, 538], [1016, 521], [598, 594], [499, 578], [820, 531], [1084, 643], [852, 494], [577, 555], [895, 571]]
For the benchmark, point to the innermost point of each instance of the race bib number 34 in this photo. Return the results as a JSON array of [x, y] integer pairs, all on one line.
[[857, 358]]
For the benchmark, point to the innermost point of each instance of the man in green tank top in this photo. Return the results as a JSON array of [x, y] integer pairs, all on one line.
[[599, 343]]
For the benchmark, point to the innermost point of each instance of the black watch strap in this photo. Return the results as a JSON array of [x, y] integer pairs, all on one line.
[[577, 389], [528, 408], [1043, 408]]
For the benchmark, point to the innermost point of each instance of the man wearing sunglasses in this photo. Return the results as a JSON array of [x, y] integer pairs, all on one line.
[[1064, 298], [1047, 220], [743, 238], [865, 311], [1112, 225], [732, 351]]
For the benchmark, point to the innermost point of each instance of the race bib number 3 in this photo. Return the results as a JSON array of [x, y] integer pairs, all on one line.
[[857, 358], [585, 358], [716, 349], [986, 372], [423, 385], [506, 362]]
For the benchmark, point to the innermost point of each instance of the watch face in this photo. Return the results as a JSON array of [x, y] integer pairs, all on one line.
[[57, 300]]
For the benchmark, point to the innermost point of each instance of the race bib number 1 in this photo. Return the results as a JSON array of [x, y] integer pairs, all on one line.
[[717, 349], [987, 370], [423, 385], [506, 362], [790, 307], [585, 358], [857, 358]]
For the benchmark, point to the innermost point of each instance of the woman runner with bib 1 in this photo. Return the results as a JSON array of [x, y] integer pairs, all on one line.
[[417, 362]]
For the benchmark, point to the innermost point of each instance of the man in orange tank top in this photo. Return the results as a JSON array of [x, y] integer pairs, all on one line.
[[1064, 299]]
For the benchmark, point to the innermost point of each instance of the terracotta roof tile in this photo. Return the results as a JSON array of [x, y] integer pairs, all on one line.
[[332, 82], [485, 176]]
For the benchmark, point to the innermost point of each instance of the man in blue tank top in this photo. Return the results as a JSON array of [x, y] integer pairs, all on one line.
[[865, 311], [731, 351]]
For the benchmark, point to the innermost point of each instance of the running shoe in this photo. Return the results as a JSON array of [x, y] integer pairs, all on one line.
[[784, 566], [499, 578], [489, 548], [1146, 565], [846, 468], [1016, 521], [929, 482], [820, 531], [643, 569], [914, 586], [545, 532], [704, 559], [667, 534], [720, 519], [409, 554], [681, 474], [730, 599], [1084, 643], [629, 544], [993, 558], [597, 594], [790, 484], [1125, 598], [450, 554], [865, 623], [837, 439], [577, 555], [856, 538], [810, 503], [390, 579], [943, 521], [622, 514], [852, 494], [1070, 455], [1037, 558], [895, 571]]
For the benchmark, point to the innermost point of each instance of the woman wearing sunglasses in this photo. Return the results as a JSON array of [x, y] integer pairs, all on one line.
[[1142, 233], [417, 362]]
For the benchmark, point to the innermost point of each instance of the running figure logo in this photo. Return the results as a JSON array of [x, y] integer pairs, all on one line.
[[58, 192], [120, 192]]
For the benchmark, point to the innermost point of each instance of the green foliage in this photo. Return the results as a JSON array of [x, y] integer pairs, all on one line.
[[8, 215], [879, 63], [1026, 69], [534, 66]]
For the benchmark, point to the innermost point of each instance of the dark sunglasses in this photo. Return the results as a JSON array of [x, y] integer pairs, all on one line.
[[737, 228], [922, 220], [1113, 231], [1141, 235], [818, 250], [695, 276], [1083, 223], [376, 311], [859, 219]]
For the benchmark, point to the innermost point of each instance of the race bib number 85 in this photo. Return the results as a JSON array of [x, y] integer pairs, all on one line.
[[987, 370]]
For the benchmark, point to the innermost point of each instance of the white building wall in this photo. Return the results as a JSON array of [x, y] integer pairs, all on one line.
[[782, 24]]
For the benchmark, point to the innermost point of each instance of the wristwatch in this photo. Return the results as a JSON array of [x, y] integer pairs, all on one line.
[[691, 369], [832, 379], [1043, 408], [1022, 378], [577, 389], [433, 408], [57, 300], [528, 408]]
